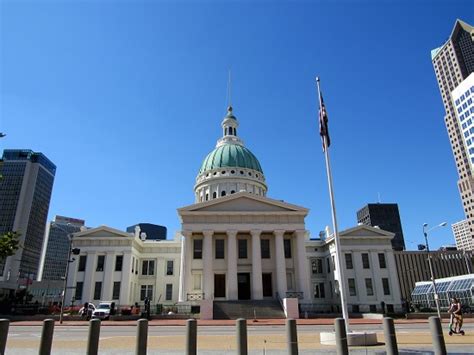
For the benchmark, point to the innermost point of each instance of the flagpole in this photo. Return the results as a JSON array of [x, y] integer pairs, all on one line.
[[340, 270]]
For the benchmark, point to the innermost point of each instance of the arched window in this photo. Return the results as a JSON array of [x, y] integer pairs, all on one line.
[[235, 131], [223, 193], [230, 130], [214, 194], [207, 197], [232, 192]]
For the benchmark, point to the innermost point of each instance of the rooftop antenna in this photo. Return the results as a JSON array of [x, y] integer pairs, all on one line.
[[229, 90]]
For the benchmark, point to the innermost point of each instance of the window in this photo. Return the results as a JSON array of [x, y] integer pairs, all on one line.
[[222, 193], [118, 262], [136, 266], [169, 267], [133, 263], [79, 288], [349, 264], [368, 287], [116, 291], [242, 248], [334, 263], [220, 249], [148, 267], [328, 265], [146, 291], [373, 308], [265, 248], [100, 263], [98, 290], [287, 248], [82, 263], [386, 286], [352, 287], [317, 266], [365, 261], [319, 290], [382, 263], [197, 248], [169, 292], [214, 194], [197, 281]]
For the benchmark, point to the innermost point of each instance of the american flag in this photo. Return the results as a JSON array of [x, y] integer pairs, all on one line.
[[323, 122]]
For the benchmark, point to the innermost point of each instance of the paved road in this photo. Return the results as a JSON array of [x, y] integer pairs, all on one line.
[[220, 340]]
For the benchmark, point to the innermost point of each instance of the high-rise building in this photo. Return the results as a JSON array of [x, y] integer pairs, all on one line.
[[56, 247], [152, 231], [462, 235], [25, 193], [453, 62], [386, 217], [463, 98]]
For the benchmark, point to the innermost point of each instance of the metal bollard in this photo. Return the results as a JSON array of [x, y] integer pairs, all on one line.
[[341, 337], [142, 336], [291, 337], [242, 348], [46, 337], [4, 325], [191, 337], [390, 337], [93, 339], [437, 336]]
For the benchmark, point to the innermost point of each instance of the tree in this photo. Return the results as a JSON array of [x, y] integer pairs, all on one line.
[[9, 244]]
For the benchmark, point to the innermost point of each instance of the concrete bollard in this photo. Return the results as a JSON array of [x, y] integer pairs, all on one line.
[[291, 337], [242, 348], [437, 336], [390, 337], [93, 339], [4, 325], [46, 337], [341, 337], [191, 337], [142, 336]]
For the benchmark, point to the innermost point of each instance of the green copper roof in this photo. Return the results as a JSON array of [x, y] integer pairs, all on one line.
[[230, 155]]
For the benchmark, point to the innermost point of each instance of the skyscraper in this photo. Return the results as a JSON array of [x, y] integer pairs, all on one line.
[[453, 62], [385, 216], [25, 193], [56, 247], [462, 235]]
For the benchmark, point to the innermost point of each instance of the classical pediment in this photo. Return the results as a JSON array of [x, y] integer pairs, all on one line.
[[102, 232], [366, 231], [243, 202]]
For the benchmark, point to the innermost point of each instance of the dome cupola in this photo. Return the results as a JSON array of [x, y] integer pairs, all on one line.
[[230, 167]]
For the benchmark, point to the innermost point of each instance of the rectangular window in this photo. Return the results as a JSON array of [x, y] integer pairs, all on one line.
[[319, 290], [382, 263], [146, 291], [352, 287], [334, 263], [82, 263], [220, 249], [242, 248], [79, 288], [116, 291], [118, 262], [100, 263], [98, 290], [169, 267], [386, 286], [369, 288], [328, 265], [133, 263], [197, 248], [287, 248], [365, 261], [169, 292], [265, 248], [148, 267], [317, 266], [197, 281], [349, 264]]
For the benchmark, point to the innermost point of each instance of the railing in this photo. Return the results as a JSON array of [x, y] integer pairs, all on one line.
[[294, 294], [195, 296]]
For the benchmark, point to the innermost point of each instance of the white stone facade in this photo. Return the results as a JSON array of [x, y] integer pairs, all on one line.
[[462, 235]]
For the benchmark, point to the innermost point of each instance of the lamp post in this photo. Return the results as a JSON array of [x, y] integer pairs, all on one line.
[[425, 233]]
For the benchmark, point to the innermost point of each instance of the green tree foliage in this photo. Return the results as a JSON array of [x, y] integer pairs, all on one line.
[[8, 244]]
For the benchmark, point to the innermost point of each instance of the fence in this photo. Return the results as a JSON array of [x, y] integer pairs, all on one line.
[[241, 337]]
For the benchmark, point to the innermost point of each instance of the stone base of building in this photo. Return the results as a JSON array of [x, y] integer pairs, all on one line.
[[353, 338]]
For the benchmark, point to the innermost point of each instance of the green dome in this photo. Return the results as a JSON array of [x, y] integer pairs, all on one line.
[[230, 156]]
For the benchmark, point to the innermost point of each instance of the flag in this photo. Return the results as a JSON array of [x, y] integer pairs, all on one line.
[[323, 122]]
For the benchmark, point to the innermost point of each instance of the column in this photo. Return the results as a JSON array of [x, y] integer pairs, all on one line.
[[257, 287], [232, 287], [89, 280], [184, 269], [208, 273], [302, 264], [125, 284], [109, 270], [280, 263]]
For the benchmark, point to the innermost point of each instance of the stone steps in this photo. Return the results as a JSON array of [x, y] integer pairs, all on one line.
[[263, 309]]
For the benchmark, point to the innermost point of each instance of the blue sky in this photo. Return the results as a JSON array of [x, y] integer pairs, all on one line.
[[126, 98]]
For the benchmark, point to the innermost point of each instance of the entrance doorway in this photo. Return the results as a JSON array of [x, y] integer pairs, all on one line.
[[219, 285], [267, 285], [243, 286]]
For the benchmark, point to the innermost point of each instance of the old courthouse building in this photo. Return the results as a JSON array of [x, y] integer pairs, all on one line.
[[236, 244]]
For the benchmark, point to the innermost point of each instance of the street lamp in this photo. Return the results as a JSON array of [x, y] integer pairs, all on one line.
[[71, 250], [425, 233]]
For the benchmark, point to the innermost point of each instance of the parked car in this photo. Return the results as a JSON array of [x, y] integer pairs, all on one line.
[[83, 313], [103, 310]]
